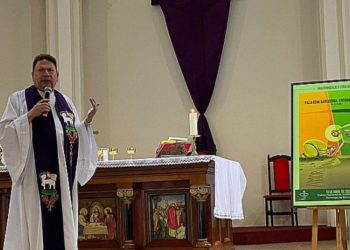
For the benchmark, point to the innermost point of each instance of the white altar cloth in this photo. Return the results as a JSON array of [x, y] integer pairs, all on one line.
[[230, 181]]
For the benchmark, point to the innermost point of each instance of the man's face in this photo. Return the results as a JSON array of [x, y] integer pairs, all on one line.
[[44, 75]]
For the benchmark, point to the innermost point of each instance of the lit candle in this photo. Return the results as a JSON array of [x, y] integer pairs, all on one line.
[[193, 119]]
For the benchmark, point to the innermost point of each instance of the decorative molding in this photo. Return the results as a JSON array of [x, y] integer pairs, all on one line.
[[200, 193], [203, 243], [129, 244], [127, 195]]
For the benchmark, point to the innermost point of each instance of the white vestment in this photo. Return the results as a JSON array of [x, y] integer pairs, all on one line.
[[24, 230]]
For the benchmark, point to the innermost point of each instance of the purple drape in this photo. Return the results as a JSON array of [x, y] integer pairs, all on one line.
[[197, 31]]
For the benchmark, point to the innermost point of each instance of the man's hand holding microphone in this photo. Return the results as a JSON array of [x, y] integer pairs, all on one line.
[[42, 107]]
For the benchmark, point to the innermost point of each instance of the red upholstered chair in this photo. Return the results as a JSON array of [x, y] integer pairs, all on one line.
[[279, 173]]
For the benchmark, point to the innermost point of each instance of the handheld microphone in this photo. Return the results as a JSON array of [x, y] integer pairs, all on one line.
[[47, 92]]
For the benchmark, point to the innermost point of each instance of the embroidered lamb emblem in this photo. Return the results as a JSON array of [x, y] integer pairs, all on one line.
[[48, 179], [68, 118], [71, 132], [49, 194]]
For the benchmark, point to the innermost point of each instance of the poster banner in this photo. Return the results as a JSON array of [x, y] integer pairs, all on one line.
[[321, 143]]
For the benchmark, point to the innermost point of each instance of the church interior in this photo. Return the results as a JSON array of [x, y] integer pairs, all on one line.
[[121, 53]]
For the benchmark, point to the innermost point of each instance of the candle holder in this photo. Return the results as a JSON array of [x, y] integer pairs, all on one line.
[[193, 144], [100, 154], [113, 152], [131, 151]]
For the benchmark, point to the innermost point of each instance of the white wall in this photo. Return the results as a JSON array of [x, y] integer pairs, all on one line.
[[128, 58], [21, 27], [130, 67]]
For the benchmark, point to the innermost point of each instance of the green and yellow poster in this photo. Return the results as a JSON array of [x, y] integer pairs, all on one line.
[[321, 143]]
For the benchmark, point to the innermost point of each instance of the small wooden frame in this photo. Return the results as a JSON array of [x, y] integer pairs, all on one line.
[[341, 237]]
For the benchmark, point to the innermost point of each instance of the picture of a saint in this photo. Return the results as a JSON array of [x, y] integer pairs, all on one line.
[[110, 223], [172, 223], [82, 220], [168, 217], [97, 215]]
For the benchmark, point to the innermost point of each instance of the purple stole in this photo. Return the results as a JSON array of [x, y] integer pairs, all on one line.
[[47, 165]]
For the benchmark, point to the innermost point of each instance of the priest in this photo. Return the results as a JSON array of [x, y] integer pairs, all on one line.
[[47, 150]]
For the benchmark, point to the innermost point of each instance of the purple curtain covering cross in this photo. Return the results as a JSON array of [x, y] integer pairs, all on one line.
[[197, 30]]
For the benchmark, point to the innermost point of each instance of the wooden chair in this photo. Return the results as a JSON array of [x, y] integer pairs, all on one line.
[[279, 172]]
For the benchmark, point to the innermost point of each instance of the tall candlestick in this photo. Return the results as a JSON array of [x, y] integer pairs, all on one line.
[[193, 119]]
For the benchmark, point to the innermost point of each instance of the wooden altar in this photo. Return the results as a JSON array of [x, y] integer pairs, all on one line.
[[146, 204]]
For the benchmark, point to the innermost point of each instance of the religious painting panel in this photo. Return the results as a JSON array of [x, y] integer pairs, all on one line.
[[168, 215], [97, 219]]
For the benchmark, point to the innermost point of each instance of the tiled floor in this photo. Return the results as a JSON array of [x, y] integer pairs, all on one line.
[[322, 245]]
